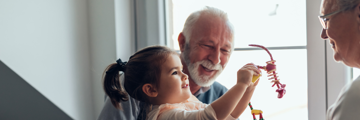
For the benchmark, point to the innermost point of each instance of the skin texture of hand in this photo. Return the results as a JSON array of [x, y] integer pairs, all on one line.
[[244, 75], [236, 99], [252, 86], [243, 103]]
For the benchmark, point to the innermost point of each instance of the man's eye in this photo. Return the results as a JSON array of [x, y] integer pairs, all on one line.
[[207, 46], [224, 50], [174, 73], [326, 19]]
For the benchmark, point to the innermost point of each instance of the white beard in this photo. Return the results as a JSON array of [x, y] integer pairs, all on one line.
[[201, 80]]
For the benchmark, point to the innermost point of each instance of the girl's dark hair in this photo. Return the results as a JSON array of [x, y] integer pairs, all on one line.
[[142, 68]]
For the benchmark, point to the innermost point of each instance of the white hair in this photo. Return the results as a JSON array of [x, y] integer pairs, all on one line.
[[193, 17], [347, 4]]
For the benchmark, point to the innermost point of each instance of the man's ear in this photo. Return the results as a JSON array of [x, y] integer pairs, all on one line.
[[181, 40], [150, 90], [357, 10], [357, 13]]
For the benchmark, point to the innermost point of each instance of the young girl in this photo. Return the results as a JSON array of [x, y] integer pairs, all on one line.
[[154, 76]]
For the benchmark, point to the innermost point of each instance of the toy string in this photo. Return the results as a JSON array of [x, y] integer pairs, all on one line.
[[264, 49]]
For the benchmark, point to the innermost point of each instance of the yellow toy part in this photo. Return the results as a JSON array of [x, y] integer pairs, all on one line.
[[254, 78], [256, 112]]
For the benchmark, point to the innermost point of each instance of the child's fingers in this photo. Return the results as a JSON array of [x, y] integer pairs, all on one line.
[[250, 64], [254, 69], [250, 67]]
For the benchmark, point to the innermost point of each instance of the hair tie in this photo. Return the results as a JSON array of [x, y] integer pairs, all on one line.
[[121, 65]]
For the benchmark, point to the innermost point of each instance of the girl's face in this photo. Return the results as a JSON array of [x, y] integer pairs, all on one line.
[[174, 84]]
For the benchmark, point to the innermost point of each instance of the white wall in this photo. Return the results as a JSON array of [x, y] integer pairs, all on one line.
[[103, 45], [46, 42], [125, 28], [112, 37], [62, 47], [150, 23]]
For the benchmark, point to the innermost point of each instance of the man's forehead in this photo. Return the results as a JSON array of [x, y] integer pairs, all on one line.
[[224, 38], [224, 42]]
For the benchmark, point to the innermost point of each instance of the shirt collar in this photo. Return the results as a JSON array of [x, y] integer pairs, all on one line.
[[201, 91]]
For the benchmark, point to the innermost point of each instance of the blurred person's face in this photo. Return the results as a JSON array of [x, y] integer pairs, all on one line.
[[343, 33], [208, 50]]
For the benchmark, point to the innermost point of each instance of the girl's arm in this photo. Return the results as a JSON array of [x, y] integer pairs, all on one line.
[[244, 101], [227, 102]]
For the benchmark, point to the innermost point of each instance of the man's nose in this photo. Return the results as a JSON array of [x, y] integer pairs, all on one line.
[[323, 34], [214, 56]]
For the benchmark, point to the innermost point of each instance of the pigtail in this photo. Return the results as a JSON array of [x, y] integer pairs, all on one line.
[[142, 68], [112, 85]]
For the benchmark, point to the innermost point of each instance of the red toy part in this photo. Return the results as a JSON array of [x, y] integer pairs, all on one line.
[[270, 68]]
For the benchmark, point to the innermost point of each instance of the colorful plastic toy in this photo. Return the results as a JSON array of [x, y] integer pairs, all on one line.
[[270, 68], [256, 112]]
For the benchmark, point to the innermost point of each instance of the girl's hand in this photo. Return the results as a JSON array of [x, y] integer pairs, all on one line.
[[252, 86], [245, 74]]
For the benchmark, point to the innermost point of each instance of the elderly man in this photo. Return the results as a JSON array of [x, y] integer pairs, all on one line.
[[206, 44], [341, 26]]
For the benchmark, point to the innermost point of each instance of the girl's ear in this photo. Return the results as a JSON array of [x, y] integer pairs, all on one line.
[[150, 90]]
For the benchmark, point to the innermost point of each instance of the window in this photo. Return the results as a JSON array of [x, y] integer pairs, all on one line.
[[279, 25]]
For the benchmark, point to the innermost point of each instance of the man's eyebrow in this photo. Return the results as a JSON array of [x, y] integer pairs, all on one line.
[[211, 41], [207, 41], [227, 46]]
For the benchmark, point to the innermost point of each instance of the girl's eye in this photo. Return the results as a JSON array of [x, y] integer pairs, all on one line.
[[174, 73]]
